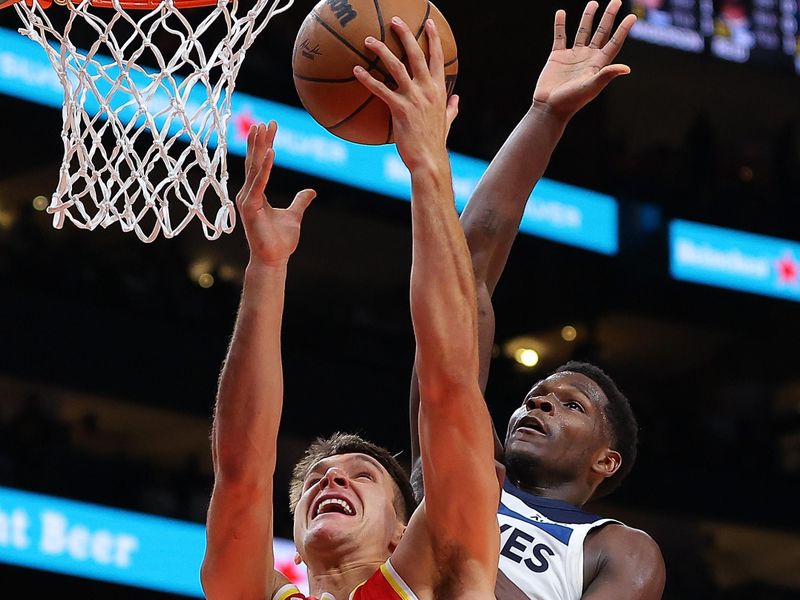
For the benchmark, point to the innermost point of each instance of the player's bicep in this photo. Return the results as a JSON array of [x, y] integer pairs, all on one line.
[[632, 567], [238, 562]]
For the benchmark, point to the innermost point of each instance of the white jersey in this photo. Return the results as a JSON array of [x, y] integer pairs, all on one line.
[[541, 546]]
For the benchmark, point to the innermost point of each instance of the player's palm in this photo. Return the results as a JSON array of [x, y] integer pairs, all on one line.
[[272, 233], [571, 79]]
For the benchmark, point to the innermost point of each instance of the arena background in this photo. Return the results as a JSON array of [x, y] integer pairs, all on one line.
[[110, 349]]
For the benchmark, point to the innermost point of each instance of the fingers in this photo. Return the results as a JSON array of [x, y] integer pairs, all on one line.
[[607, 74], [614, 45], [248, 160], [396, 68], [272, 130], [436, 64], [262, 175], [373, 85], [560, 33], [452, 109], [302, 201], [258, 163], [451, 113], [420, 68], [606, 23], [393, 64], [416, 57], [585, 27]]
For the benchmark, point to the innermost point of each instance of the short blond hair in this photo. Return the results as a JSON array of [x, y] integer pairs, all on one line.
[[349, 443]]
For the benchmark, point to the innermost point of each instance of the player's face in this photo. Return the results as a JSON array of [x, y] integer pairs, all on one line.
[[558, 431], [347, 503]]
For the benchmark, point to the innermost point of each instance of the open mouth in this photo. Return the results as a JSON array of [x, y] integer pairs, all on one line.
[[334, 505], [533, 424]]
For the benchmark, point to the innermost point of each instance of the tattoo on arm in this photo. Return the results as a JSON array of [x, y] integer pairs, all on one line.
[[489, 221]]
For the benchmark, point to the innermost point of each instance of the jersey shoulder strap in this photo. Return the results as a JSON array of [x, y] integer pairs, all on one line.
[[291, 592], [288, 592], [385, 584]]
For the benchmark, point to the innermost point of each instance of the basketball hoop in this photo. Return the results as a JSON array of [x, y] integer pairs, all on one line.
[[135, 137]]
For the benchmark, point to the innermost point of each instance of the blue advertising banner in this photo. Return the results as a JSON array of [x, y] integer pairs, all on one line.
[[555, 211], [735, 260], [96, 542], [107, 544]]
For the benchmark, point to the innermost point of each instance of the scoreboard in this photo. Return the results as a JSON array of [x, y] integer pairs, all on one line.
[[761, 32]]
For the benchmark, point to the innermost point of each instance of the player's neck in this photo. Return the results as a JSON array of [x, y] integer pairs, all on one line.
[[576, 493], [340, 580]]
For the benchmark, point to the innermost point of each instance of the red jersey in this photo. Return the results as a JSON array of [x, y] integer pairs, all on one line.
[[385, 584]]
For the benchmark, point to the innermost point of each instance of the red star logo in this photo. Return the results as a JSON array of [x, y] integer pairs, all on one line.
[[243, 121], [788, 269]]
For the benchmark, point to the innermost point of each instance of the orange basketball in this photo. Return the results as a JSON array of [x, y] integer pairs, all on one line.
[[331, 42]]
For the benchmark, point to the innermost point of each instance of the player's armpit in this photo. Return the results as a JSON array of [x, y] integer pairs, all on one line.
[[626, 564], [414, 558]]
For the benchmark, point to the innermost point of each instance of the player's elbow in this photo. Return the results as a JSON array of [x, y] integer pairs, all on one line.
[[220, 583], [207, 579], [211, 579], [447, 353], [448, 387], [247, 471]]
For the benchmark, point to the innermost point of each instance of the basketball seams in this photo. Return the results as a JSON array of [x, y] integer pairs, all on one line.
[[391, 130], [379, 14], [372, 64], [324, 79], [424, 20], [326, 76], [352, 114], [420, 30]]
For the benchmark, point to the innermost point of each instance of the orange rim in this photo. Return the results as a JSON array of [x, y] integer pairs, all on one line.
[[151, 4], [42, 3], [128, 4]]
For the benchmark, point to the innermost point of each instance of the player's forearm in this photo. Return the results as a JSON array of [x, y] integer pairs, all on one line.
[[443, 300], [250, 395], [493, 214]]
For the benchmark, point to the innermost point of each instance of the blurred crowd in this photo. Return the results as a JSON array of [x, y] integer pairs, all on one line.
[[38, 453]]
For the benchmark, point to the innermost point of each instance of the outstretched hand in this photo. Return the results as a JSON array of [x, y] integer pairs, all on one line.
[[421, 111], [573, 77], [272, 233]]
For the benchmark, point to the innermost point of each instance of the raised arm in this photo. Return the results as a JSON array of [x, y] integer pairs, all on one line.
[[238, 562], [571, 78], [459, 514]]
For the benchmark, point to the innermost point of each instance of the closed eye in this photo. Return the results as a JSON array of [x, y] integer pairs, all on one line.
[[365, 475], [311, 482]]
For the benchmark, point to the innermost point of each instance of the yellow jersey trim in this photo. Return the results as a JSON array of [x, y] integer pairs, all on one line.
[[397, 583], [287, 591]]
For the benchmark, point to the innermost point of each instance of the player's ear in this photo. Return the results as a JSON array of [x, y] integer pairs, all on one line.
[[399, 530], [298, 559], [607, 462]]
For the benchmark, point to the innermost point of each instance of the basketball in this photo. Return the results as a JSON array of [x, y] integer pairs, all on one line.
[[331, 42]]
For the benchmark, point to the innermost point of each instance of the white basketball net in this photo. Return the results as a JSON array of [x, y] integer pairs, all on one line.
[[135, 137]]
